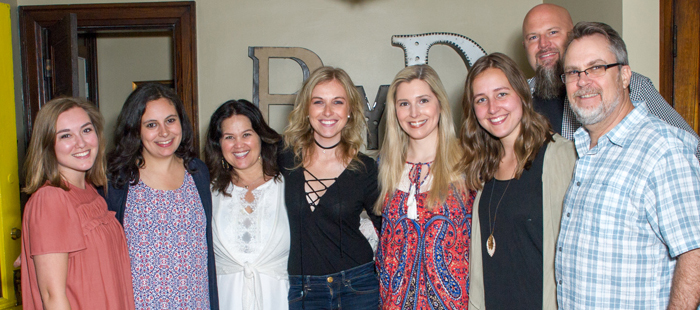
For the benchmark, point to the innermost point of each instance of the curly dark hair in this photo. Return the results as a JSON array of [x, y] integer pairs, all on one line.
[[124, 161], [222, 176]]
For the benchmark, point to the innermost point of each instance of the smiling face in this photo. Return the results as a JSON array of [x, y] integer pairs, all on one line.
[[595, 99], [76, 144], [161, 131], [417, 110], [328, 112], [545, 31], [497, 106], [240, 144]]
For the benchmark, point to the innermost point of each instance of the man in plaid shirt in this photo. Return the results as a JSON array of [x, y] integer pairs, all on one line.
[[630, 230]]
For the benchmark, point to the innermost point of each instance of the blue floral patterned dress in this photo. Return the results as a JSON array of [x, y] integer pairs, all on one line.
[[166, 236]]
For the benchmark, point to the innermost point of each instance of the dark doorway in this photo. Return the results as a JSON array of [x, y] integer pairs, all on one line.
[[178, 18]]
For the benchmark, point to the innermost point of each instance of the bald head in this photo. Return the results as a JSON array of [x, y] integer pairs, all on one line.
[[545, 29]]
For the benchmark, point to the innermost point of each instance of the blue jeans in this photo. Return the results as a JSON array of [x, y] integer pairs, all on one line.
[[355, 289]]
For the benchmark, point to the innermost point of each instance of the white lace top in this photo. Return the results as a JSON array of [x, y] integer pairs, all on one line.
[[243, 232], [251, 249]]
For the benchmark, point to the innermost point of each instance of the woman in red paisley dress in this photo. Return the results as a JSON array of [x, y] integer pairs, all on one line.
[[423, 260]]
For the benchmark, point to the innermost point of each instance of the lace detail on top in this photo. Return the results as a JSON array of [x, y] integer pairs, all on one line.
[[248, 236], [313, 195]]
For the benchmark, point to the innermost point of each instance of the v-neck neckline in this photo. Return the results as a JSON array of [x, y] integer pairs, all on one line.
[[328, 189]]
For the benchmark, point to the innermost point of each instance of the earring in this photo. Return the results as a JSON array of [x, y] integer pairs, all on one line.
[[348, 116], [226, 165]]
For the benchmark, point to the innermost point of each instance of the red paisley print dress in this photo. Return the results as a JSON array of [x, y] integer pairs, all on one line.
[[423, 263]]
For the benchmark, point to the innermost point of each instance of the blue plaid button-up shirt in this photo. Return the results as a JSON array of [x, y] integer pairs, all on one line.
[[632, 207]]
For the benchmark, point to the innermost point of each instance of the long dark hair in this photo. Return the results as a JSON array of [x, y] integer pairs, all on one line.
[[482, 151], [222, 176], [124, 161]]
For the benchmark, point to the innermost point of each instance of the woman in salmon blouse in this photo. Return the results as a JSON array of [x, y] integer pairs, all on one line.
[[74, 252]]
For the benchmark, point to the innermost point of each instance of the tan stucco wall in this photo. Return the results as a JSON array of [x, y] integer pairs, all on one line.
[[636, 20], [356, 34], [126, 59]]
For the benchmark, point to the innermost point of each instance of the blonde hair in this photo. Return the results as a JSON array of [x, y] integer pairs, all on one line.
[[41, 165], [394, 147], [299, 135]]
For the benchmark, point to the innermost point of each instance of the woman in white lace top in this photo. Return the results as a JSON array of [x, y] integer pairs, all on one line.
[[250, 226]]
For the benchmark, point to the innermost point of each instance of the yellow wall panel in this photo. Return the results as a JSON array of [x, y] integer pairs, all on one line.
[[9, 184]]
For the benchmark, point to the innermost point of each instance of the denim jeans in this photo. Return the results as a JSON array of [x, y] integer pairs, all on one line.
[[353, 289]]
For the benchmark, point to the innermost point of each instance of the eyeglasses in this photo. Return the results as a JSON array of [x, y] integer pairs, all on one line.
[[596, 71]]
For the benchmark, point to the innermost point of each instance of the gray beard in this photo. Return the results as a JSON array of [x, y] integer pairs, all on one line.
[[548, 84]]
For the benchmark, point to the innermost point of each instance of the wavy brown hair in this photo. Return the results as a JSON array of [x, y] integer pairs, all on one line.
[[125, 160], [222, 176], [41, 165], [299, 136], [395, 144], [482, 151]]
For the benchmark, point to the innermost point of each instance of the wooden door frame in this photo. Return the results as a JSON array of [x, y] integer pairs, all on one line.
[[179, 17], [682, 93]]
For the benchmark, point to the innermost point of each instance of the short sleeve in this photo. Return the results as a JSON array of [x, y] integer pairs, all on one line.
[[674, 193], [53, 225]]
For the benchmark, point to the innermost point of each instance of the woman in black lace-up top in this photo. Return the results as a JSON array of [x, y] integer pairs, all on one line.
[[329, 184]]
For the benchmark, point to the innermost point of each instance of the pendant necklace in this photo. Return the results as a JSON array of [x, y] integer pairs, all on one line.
[[491, 242], [326, 147], [254, 181]]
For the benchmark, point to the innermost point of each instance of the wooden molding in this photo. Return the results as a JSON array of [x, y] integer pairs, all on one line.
[[178, 17], [666, 50]]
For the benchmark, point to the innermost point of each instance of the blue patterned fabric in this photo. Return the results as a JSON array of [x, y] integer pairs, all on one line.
[[631, 209], [166, 236]]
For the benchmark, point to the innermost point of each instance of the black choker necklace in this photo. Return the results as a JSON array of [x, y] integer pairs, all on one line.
[[326, 147]]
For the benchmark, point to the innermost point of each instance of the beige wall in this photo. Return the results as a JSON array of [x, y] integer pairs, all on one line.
[[640, 24], [122, 60], [356, 34], [636, 20], [606, 11]]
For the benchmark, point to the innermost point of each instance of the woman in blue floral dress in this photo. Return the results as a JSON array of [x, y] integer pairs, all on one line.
[[160, 192]]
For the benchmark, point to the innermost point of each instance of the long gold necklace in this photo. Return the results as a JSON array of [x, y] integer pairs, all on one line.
[[491, 242]]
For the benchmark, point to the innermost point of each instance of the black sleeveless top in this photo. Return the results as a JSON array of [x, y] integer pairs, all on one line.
[[513, 276]]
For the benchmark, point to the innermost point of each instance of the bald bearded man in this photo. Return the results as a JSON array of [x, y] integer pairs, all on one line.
[[545, 31]]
